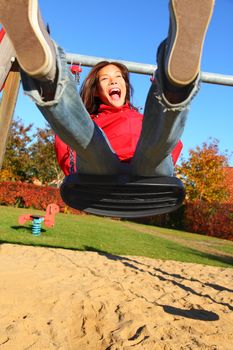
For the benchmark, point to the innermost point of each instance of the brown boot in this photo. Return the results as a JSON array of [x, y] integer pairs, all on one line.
[[33, 46], [189, 20]]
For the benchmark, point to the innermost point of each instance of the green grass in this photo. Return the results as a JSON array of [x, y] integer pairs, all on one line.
[[116, 237]]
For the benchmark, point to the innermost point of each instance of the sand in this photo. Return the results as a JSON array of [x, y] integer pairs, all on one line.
[[71, 300]]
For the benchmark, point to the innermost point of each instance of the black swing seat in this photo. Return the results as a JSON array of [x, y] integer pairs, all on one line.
[[122, 196]]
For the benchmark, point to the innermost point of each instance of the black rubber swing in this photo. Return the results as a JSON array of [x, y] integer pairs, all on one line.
[[122, 196]]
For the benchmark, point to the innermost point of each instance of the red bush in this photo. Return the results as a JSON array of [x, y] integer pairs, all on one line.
[[27, 195], [212, 219]]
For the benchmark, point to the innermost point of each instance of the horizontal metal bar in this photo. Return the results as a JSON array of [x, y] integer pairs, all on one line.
[[144, 68], [214, 78], [90, 61]]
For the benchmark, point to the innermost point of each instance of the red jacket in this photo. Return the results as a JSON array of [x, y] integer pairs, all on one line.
[[122, 126]]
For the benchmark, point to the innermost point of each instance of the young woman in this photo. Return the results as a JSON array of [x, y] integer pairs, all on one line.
[[108, 135], [106, 95]]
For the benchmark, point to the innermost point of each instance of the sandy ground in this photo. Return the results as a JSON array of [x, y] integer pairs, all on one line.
[[63, 299]]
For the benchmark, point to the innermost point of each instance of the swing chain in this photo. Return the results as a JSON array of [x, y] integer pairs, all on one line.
[[71, 161], [75, 70]]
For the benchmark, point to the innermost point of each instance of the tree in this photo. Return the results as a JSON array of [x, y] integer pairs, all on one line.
[[43, 157], [17, 160], [30, 156], [229, 179], [203, 173]]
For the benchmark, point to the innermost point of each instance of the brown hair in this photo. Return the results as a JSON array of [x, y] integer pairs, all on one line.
[[89, 87]]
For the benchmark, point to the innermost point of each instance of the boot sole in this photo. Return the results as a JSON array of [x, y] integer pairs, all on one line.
[[20, 18], [190, 19]]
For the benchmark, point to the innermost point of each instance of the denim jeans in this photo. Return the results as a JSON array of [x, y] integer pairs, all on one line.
[[163, 124]]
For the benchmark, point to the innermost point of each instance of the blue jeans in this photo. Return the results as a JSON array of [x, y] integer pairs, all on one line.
[[163, 124]]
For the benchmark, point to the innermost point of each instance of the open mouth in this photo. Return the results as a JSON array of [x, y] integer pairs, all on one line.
[[115, 94]]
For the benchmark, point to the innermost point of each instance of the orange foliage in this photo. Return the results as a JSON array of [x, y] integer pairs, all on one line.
[[7, 175], [228, 171], [203, 174]]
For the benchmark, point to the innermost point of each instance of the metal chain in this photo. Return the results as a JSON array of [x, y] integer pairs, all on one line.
[[77, 80], [71, 161]]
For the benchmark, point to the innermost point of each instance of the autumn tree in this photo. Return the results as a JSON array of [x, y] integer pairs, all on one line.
[[229, 179], [29, 155], [43, 158], [17, 160], [203, 173]]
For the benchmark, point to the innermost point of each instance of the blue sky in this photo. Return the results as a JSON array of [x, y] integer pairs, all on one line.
[[132, 31]]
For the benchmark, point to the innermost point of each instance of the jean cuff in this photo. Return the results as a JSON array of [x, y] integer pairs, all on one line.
[[34, 87], [163, 87]]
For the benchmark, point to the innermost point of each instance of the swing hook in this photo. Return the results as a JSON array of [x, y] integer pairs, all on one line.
[[76, 70]]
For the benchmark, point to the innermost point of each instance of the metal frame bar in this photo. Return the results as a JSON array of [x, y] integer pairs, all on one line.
[[144, 68]]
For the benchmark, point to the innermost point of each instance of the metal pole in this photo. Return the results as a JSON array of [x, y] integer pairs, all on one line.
[[144, 68], [9, 98]]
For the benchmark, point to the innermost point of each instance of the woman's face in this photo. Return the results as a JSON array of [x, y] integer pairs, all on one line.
[[111, 88]]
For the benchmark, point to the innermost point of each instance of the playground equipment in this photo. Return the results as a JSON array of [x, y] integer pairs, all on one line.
[[48, 219], [118, 196]]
